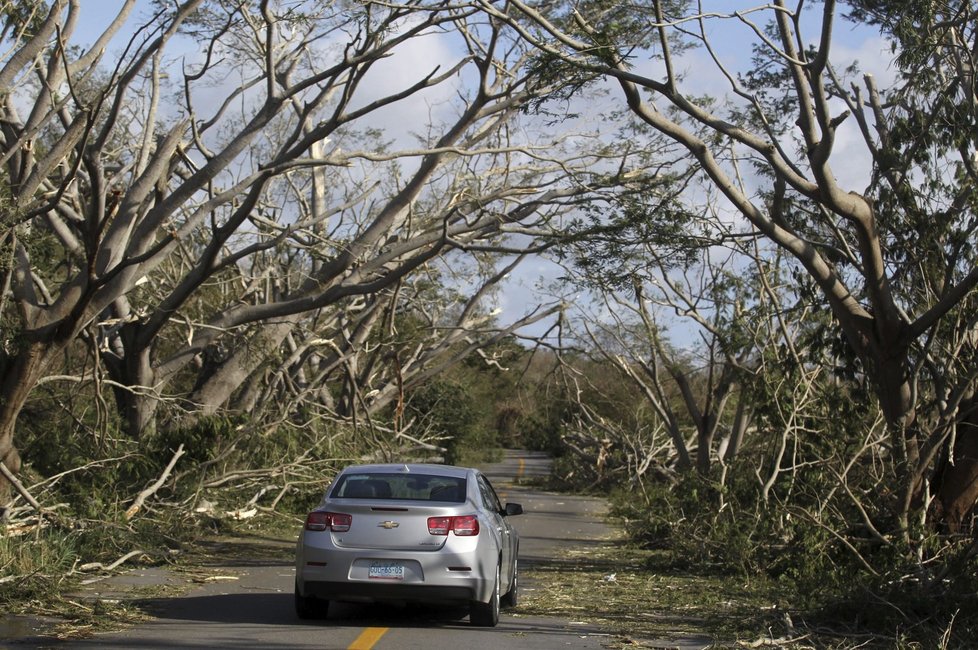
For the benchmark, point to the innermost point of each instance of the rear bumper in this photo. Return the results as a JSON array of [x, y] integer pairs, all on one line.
[[374, 592], [448, 575]]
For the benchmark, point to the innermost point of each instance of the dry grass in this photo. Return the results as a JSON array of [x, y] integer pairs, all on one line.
[[633, 594]]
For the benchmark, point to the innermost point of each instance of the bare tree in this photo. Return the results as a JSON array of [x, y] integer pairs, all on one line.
[[894, 296], [728, 320], [196, 232]]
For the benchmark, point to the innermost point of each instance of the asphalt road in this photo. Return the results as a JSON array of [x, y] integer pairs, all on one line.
[[248, 604]]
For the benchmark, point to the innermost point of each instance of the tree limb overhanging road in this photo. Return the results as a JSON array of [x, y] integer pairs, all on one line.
[[243, 598]]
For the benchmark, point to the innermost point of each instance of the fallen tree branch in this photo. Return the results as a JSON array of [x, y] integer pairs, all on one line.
[[151, 490], [21, 490], [98, 566], [838, 536], [95, 463], [246, 473], [422, 444]]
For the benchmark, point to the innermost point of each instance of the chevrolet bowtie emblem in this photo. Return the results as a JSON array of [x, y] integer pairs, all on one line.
[[389, 524]]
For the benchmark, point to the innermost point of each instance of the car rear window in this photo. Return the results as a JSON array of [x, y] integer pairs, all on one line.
[[408, 487]]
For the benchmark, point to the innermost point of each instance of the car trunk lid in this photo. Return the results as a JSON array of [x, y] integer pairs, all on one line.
[[387, 527]]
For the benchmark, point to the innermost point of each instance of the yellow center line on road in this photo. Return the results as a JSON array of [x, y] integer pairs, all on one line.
[[519, 474], [368, 638]]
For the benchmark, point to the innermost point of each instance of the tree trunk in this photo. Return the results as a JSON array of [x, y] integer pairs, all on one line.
[[216, 390], [895, 393], [136, 403], [705, 429], [956, 482], [737, 430], [21, 373]]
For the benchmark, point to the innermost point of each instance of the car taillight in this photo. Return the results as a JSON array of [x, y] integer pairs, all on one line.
[[340, 523], [334, 521], [439, 525], [464, 526]]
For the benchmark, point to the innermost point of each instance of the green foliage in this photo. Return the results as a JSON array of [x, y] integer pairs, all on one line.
[[208, 437], [23, 16], [804, 538], [541, 429], [98, 473], [566, 80], [510, 403], [446, 409], [644, 225], [537, 408], [721, 529], [36, 558], [501, 397], [915, 604], [612, 32], [784, 551], [62, 430]]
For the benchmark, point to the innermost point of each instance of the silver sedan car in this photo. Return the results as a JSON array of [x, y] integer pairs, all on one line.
[[409, 533]]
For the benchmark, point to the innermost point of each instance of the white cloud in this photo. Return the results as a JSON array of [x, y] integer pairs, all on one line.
[[409, 64]]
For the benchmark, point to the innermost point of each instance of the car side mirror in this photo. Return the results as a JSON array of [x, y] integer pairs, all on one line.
[[512, 509]]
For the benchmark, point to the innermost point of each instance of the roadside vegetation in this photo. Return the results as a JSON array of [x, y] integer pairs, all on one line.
[[90, 523], [245, 243], [731, 586]]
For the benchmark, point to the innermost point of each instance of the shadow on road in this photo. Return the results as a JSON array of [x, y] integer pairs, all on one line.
[[277, 609]]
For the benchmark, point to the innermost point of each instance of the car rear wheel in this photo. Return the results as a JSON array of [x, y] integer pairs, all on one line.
[[486, 614], [512, 597], [310, 607]]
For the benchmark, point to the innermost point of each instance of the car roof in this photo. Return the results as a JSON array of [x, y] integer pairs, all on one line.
[[410, 468]]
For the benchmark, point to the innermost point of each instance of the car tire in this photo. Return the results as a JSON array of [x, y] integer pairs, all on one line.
[[310, 607], [512, 597], [486, 614]]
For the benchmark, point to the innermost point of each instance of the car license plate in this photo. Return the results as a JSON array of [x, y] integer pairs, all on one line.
[[386, 571]]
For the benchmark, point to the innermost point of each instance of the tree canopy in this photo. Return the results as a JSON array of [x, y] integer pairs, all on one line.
[[301, 221]]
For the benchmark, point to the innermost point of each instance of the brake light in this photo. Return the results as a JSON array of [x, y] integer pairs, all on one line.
[[334, 521], [439, 525], [340, 523], [464, 526]]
